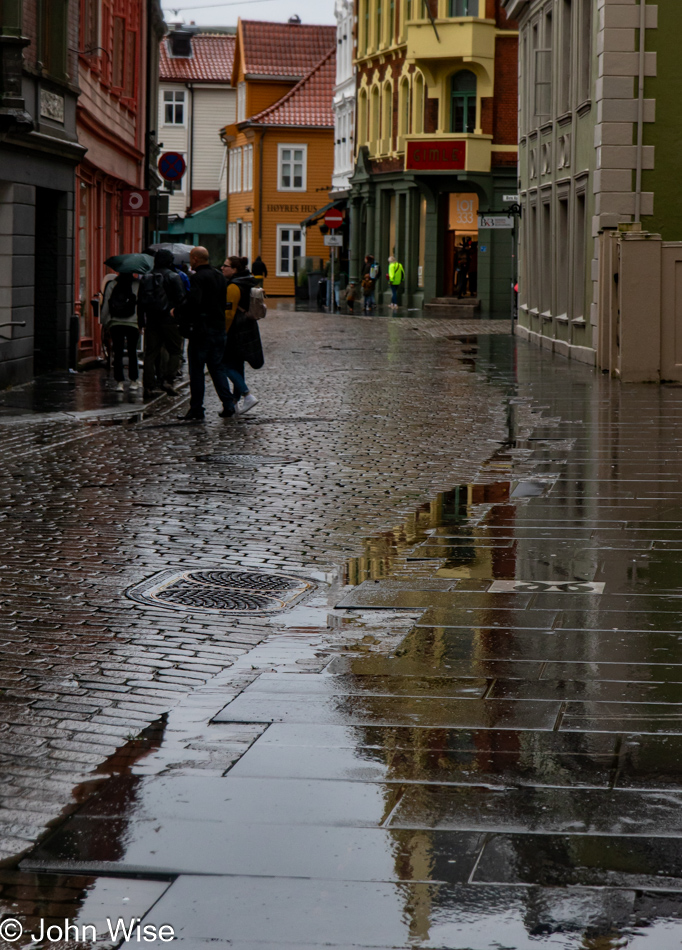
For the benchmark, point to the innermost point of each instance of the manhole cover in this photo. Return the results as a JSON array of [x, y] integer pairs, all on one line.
[[234, 591], [249, 460]]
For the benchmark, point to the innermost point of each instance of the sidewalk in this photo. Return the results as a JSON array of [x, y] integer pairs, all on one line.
[[464, 730]]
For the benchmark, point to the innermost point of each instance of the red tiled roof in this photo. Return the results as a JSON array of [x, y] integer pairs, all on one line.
[[212, 60], [309, 103], [283, 49]]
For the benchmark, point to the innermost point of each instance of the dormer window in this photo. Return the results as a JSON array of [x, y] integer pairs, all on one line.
[[180, 44]]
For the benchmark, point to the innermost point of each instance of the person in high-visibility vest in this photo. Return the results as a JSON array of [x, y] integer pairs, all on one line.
[[396, 275]]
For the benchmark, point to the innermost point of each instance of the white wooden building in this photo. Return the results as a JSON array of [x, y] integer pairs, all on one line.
[[196, 101]]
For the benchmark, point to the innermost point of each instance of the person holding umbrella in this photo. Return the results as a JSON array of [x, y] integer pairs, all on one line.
[[119, 313]]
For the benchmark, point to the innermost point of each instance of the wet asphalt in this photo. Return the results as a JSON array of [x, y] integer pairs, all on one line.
[[456, 722]]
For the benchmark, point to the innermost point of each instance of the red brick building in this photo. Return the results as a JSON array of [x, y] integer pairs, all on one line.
[[436, 142], [116, 120]]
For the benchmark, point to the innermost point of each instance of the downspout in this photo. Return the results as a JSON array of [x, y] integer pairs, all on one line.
[[640, 111], [190, 156], [260, 192]]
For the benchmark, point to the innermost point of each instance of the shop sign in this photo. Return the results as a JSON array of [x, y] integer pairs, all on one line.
[[495, 222], [435, 155], [135, 203]]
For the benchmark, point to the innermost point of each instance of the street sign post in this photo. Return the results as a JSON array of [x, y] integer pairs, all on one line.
[[513, 198], [135, 203], [333, 219], [172, 166]]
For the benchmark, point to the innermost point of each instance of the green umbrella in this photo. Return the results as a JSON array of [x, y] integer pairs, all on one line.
[[131, 263]]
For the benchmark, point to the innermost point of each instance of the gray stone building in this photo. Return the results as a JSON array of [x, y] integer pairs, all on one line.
[[587, 81], [38, 156]]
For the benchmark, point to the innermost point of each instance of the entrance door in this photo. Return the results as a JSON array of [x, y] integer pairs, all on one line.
[[461, 243]]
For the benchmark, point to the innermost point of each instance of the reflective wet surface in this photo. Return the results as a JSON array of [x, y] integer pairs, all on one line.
[[470, 738]]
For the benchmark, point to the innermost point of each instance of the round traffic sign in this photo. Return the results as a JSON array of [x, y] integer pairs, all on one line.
[[333, 219], [172, 166]]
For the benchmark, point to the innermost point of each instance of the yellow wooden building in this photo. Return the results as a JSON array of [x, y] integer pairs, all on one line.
[[281, 148]]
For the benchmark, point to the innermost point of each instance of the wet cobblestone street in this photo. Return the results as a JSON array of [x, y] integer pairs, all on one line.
[[456, 722]]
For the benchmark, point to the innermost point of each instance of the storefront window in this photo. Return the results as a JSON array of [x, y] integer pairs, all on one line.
[[83, 268]]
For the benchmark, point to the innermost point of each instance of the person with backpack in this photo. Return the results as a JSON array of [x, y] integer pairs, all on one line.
[[161, 291], [241, 318], [201, 319], [119, 319], [396, 275]]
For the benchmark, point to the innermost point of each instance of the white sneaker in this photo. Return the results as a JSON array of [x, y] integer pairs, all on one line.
[[134, 385], [119, 387], [245, 403]]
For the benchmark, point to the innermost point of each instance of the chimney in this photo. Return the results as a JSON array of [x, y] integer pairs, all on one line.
[[180, 43]]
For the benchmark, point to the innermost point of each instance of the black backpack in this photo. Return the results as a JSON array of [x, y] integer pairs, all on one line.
[[123, 302], [153, 296]]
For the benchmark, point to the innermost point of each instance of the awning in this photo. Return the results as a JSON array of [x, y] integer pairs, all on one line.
[[316, 215], [210, 220]]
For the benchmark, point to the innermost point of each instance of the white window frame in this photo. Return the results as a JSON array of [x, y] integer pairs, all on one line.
[[174, 102], [290, 243], [231, 238], [238, 169], [248, 168], [241, 102], [280, 149], [247, 240]]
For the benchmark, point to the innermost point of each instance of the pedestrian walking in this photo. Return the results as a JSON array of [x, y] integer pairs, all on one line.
[[119, 319], [350, 295], [462, 270], [161, 292], [259, 271], [370, 274], [396, 275], [240, 283], [201, 318]]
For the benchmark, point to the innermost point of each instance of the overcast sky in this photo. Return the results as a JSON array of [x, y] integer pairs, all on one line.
[[226, 14]]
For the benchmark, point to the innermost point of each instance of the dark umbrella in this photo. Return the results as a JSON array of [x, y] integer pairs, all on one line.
[[131, 263], [180, 252]]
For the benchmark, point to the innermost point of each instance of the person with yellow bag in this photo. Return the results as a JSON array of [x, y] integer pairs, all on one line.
[[396, 275]]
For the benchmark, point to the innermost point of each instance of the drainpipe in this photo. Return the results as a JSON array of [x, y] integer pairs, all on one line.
[[640, 111], [190, 150]]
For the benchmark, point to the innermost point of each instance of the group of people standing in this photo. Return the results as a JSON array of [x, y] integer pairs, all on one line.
[[369, 278], [211, 308]]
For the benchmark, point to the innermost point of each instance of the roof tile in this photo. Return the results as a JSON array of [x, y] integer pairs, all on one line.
[[284, 49], [211, 60], [309, 103]]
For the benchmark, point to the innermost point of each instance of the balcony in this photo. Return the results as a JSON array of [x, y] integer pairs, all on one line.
[[448, 153], [470, 39]]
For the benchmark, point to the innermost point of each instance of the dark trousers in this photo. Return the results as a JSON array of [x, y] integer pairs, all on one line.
[[206, 350], [157, 337], [122, 337]]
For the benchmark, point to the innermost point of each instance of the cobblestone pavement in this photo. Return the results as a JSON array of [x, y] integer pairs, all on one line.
[[358, 421]]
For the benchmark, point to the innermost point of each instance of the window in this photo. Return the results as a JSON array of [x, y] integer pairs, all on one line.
[[290, 244], [241, 102], [579, 255], [291, 166], [418, 104], [248, 168], [386, 117], [584, 75], [90, 23], [232, 238], [130, 64], [247, 237], [463, 7], [562, 258], [374, 119], [173, 107], [463, 102], [403, 108], [378, 25], [235, 180], [53, 37], [362, 118], [566, 47], [117, 53]]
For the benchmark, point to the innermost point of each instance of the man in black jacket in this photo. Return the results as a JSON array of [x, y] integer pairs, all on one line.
[[202, 320], [161, 292]]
